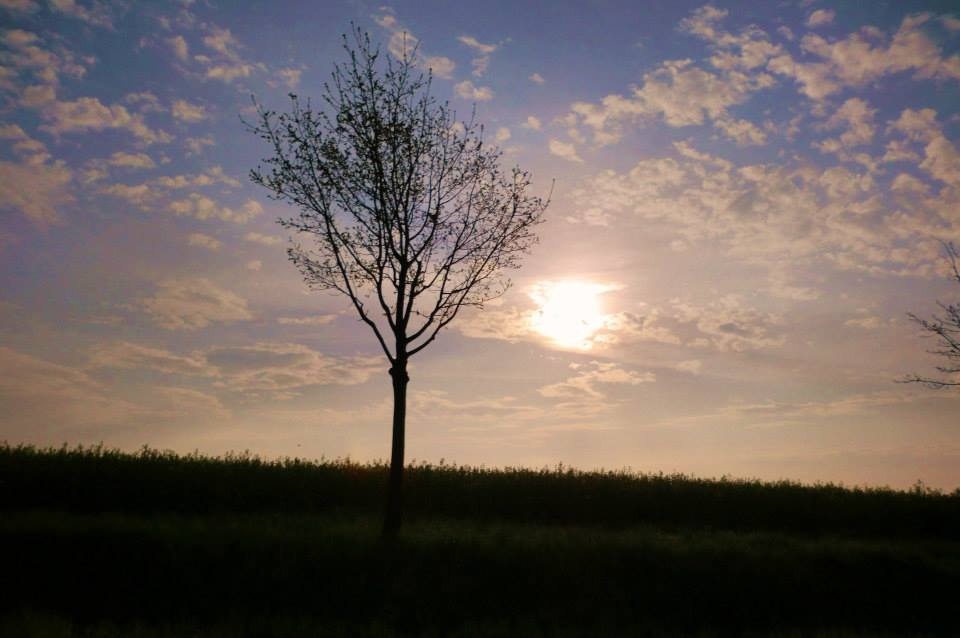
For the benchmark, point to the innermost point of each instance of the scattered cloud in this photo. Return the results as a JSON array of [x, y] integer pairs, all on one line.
[[468, 91], [565, 150], [191, 303], [187, 112], [89, 114], [202, 207], [591, 380], [536, 78], [821, 17], [403, 43], [205, 241], [315, 320], [260, 238], [532, 123], [482, 60]]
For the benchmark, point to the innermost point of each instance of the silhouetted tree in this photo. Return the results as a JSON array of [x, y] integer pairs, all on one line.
[[945, 328], [409, 213]]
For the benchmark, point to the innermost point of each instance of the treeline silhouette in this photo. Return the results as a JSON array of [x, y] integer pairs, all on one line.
[[102, 543], [98, 479]]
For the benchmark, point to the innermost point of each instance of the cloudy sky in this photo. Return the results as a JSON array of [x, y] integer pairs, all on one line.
[[749, 199]]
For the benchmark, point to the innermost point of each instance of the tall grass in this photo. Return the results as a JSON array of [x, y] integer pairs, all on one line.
[[99, 479]]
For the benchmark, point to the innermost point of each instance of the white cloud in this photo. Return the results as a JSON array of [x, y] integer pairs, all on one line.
[[316, 320], [128, 356], [536, 78], [532, 123], [260, 238], [590, 380], [188, 304], [187, 112], [482, 61], [206, 241], [284, 367], [89, 114], [503, 134], [179, 47], [403, 43], [195, 145], [821, 17], [96, 14], [19, 5], [290, 77], [854, 115], [131, 160], [468, 91], [202, 207], [564, 150], [35, 186], [41, 395], [742, 132]]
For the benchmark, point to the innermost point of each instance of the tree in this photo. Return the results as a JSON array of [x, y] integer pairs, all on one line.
[[946, 329], [408, 212]]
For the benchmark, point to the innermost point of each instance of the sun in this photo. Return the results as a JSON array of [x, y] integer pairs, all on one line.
[[569, 313]]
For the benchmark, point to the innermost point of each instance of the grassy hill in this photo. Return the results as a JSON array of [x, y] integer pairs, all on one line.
[[102, 543]]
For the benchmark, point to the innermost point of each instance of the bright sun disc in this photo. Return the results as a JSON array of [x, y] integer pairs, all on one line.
[[568, 312]]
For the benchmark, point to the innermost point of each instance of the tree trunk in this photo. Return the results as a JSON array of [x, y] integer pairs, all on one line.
[[393, 516]]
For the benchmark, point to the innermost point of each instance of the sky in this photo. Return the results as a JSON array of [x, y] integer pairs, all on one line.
[[748, 198]]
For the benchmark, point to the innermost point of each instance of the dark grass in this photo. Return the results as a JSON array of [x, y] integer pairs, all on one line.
[[97, 542]]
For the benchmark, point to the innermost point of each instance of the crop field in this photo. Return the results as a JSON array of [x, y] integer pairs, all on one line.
[[102, 543]]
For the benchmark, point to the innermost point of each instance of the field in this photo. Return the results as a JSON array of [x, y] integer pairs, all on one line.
[[101, 543]]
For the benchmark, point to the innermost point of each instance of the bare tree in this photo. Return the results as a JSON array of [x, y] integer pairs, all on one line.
[[408, 212], [945, 328]]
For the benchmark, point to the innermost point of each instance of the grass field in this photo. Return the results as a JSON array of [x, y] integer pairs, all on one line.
[[100, 543]]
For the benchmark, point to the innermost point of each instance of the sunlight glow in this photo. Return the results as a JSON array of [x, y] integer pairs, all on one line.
[[569, 313]]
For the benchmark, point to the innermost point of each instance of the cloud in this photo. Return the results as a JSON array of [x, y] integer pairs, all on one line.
[[38, 189], [821, 17], [187, 112], [403, 44], [532, 123], [273, 369], [742, 132], [503, 134], [854, 115], [285, 367], [40, 395], [89, 114], [206, 241], [254, 265], [866, 323], [865, 56], [26, 6], [129, 356], [96, 14], [590, 380], [468, 91], [202, 207], [32, 71], [316, 320], [266, 240], [536, 78], [482, 60], [188, 304], [290, 77], [565, 150], [678, 92], [131, 160], [179, 47], [195, 145], [761, 213], [917, 125]]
